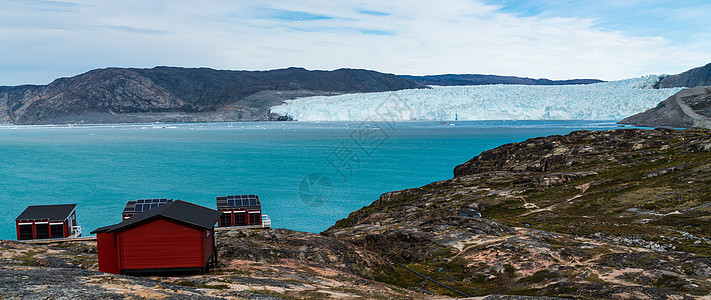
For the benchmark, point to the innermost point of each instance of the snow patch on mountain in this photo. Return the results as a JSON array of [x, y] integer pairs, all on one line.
[[601, 101]]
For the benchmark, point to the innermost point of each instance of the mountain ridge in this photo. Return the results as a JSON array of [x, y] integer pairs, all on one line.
[[688, 108], [110, 95], [175, 94]]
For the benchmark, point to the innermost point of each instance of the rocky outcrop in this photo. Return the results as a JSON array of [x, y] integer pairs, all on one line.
[[552, 153], [479, 79], [169, 94], [270, 246], [254, 264], [700, 76], [685, 109], [69, 271], [63, 283], [611, 291], [617, 214]]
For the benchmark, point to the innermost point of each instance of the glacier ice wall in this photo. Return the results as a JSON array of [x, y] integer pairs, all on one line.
[[613, 100]]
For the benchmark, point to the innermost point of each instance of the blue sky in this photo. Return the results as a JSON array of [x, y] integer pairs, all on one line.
[[44, 40]]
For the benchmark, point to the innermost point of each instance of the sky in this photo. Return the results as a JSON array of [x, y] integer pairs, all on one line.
[[604, 39]]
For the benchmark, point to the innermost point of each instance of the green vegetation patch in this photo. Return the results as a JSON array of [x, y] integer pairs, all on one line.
[[274, 294], [204, 286], [29, 259], [539, 276]]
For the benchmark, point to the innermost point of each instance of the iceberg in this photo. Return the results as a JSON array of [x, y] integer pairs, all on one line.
[[613, 100]]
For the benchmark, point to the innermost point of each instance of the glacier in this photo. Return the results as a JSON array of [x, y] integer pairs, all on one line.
[[612, 100]]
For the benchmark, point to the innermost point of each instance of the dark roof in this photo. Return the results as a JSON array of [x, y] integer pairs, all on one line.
[[141, 205], [239, 202], [59, 212], [178, 210]]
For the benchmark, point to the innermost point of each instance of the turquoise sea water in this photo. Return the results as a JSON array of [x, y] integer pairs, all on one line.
[[101, 167]]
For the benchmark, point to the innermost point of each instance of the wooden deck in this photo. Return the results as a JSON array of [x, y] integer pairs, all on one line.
[[241, 227]]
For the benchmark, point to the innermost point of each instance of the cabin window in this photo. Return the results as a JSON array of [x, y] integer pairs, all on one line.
[[240, 219], [255, 219], [26, 232], [42, 230], [226, 219], [57, 231]]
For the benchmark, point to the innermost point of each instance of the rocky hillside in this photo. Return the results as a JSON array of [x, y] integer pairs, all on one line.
[[700, 76], [618, 214], [254, 264], [479, 79], [687, 108], [179, 94]]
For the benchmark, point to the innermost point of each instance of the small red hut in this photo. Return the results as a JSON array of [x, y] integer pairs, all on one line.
[[141, 205], [47, 222], [174, 237], [239, 210]]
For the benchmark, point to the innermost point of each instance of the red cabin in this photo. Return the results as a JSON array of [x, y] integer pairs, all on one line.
[[239, 210], [174, 237], [141, 205], [47, 222]]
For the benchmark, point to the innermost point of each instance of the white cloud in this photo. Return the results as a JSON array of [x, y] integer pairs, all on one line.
[[42, 40]]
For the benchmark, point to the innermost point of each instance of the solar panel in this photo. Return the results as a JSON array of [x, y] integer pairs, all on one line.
[[144, 205], [238, 201]]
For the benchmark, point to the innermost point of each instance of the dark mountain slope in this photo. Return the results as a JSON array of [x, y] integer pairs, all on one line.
[[688, 108], [179, 94], [691, 78], [685, 109], [478, 79]]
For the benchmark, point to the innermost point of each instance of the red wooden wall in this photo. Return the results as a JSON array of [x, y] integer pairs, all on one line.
[[108, 252], [159, 243]]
